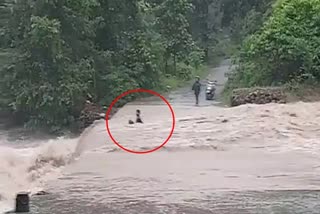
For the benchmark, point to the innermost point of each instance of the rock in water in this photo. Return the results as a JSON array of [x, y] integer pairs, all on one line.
[[225, 121], [22, 203], [42, 193]]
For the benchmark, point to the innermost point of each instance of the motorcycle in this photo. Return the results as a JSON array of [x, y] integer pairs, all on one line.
[[210, 90]]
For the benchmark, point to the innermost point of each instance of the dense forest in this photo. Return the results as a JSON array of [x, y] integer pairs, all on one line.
[[57, 53], [284, 51]]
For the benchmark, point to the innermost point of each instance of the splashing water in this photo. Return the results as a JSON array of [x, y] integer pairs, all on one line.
[[247, 147], [213, 151], [28, 169]]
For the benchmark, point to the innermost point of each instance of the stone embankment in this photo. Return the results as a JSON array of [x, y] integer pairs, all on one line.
[[258, 96], [92, 112]]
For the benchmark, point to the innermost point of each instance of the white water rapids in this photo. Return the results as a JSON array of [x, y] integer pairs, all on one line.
[[270, 147], [257, 159]]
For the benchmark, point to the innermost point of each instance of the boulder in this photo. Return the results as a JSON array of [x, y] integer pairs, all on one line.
[[258, 96], [92, 112]]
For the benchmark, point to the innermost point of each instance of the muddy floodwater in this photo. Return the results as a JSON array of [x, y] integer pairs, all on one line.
[[246, 160]]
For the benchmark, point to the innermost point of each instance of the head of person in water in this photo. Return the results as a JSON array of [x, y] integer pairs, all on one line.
[[138, 112]]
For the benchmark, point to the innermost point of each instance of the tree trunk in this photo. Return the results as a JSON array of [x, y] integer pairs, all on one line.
[[175, 63]]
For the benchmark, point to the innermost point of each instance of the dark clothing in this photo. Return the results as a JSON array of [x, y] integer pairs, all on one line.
[[197, 98], [196, 88], [138, 120]]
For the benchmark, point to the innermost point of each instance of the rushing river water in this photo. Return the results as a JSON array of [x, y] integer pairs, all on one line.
[[248, 159]]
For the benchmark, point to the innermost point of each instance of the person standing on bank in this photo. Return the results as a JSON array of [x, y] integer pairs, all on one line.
[[197, 88]]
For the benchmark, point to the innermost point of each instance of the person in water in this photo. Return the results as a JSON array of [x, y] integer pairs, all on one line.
[[196, 88], [138, 120]]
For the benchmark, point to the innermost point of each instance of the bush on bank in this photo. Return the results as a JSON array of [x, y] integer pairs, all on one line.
[[286, 48]]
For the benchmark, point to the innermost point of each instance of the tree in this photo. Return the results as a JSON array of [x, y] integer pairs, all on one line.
[[67, 50], [5, 13], [202, 29], [286, 48], [174, 27], [51, 73]]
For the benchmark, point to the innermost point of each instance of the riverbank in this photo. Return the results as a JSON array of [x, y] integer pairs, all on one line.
[[294, 69], [308, 91], [265, 95]]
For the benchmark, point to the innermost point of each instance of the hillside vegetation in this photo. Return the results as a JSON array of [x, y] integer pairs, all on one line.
[[284, 51], [55, 54]]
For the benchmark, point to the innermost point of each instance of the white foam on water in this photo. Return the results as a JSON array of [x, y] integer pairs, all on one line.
[[29, 169], [273, 128]]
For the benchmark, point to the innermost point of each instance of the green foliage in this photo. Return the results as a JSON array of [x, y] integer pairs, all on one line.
[[4, 17], [45, 85], [67, 49], [174, 27], [244, 16], [286, 48], [51, 73], [54, 53]]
